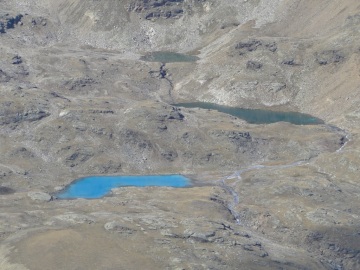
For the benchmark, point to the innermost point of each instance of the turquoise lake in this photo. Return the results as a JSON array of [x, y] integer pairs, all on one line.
[[255, 116], [168, 57], [98, 186]]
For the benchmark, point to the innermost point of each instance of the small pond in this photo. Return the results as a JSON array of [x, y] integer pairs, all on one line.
[[255, 116], [168, 57], [98, 186]]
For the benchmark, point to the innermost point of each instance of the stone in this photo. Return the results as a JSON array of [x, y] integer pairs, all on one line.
[[118, 227], [253, 65], [78, 157], [40, 196], [249, 46], [263, 254], [169, 155], [199, 234], [80, 83], [248, 247], [8, 21], [16, 60], [175, 114], [329, 57], [4, 77], [6, 190], [154, 9], [59, 188], [272, 46], [289, 62]]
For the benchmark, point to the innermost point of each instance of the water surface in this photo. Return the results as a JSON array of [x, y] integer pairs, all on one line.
[[98, 186], [256, 116], [168, 57]]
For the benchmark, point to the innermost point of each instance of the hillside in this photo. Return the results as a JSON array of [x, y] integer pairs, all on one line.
[[78, 99]]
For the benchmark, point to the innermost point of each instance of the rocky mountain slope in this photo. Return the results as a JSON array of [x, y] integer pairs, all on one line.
[[76, 100]]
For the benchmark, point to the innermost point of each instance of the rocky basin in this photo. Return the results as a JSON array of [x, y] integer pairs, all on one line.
[[76, 100]]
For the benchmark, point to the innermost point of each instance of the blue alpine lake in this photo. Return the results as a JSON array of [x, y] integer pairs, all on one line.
[[93, 187], [256, 116]]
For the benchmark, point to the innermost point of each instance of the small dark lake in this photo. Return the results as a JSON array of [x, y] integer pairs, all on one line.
[[98, 186], [255, 116], [168, 57]]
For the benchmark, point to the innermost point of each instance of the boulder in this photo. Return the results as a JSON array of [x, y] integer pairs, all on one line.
[[117, 227], [253, 65], [40, 196], [6, 190]]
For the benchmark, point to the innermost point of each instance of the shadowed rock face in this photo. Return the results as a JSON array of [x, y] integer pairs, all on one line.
[[6, 190], [167, 9], [328, 57], [76, 100], [8, 21]]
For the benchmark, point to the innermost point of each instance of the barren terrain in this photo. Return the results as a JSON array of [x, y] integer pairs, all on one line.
[[77, 100]]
